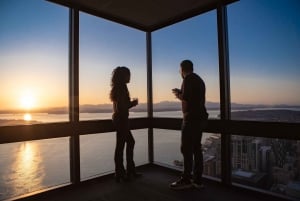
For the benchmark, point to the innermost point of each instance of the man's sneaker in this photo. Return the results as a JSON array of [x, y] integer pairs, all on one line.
[[181, 184], [198, 184]]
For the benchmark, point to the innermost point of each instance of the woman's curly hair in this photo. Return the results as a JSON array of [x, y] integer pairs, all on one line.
[[118, 82]]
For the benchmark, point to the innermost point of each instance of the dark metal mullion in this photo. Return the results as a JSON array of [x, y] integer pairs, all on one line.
[[149, 96], [74, 95], [224, 90]]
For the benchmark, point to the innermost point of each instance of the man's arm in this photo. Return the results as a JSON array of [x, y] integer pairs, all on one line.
[[184, 106], [178, 94]]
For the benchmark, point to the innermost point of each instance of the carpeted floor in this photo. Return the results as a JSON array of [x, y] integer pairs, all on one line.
[[152, 186]]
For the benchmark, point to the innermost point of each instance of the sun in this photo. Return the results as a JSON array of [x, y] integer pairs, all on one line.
[[27, 100]]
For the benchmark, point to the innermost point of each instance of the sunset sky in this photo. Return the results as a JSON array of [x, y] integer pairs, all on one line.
[[264, 44]]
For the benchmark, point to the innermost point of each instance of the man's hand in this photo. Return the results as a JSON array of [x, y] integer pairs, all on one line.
[[177, 93]]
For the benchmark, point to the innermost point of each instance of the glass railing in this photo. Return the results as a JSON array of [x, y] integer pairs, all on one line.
[[97, 152], [268, 164], [167, 151]]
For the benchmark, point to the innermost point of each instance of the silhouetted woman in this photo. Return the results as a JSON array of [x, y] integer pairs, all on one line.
[[120, 97]]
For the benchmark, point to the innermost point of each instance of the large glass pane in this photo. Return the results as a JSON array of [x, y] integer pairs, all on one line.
[[33, 62], [167, 151], [103, 46], [167, 147], [194, 39], [264, 61], [97, 152], [33, 165], [264, 46], [141, 146]]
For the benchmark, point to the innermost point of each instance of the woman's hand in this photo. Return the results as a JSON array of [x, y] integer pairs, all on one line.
[[135, 102]]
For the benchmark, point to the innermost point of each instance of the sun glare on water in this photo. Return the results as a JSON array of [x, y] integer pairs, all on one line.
[[27, 117]]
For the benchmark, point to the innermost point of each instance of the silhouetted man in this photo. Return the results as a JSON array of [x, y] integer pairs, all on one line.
[[192, 96]]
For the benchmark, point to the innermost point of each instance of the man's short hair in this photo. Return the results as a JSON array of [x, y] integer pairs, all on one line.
[[187, 66]]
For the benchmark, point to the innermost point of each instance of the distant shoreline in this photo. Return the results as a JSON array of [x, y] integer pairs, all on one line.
[[166, 106], [248, 114]]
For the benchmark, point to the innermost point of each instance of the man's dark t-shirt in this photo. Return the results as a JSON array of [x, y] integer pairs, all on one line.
[[193, 92]]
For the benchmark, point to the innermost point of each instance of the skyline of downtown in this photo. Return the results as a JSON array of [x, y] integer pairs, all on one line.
[[264, 50]]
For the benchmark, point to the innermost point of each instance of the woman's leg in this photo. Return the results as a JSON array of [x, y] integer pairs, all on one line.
[[129, 153], [120, 143]]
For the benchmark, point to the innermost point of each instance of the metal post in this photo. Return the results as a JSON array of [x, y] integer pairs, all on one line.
[[149, 96], [224, 90], [74, 95]]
